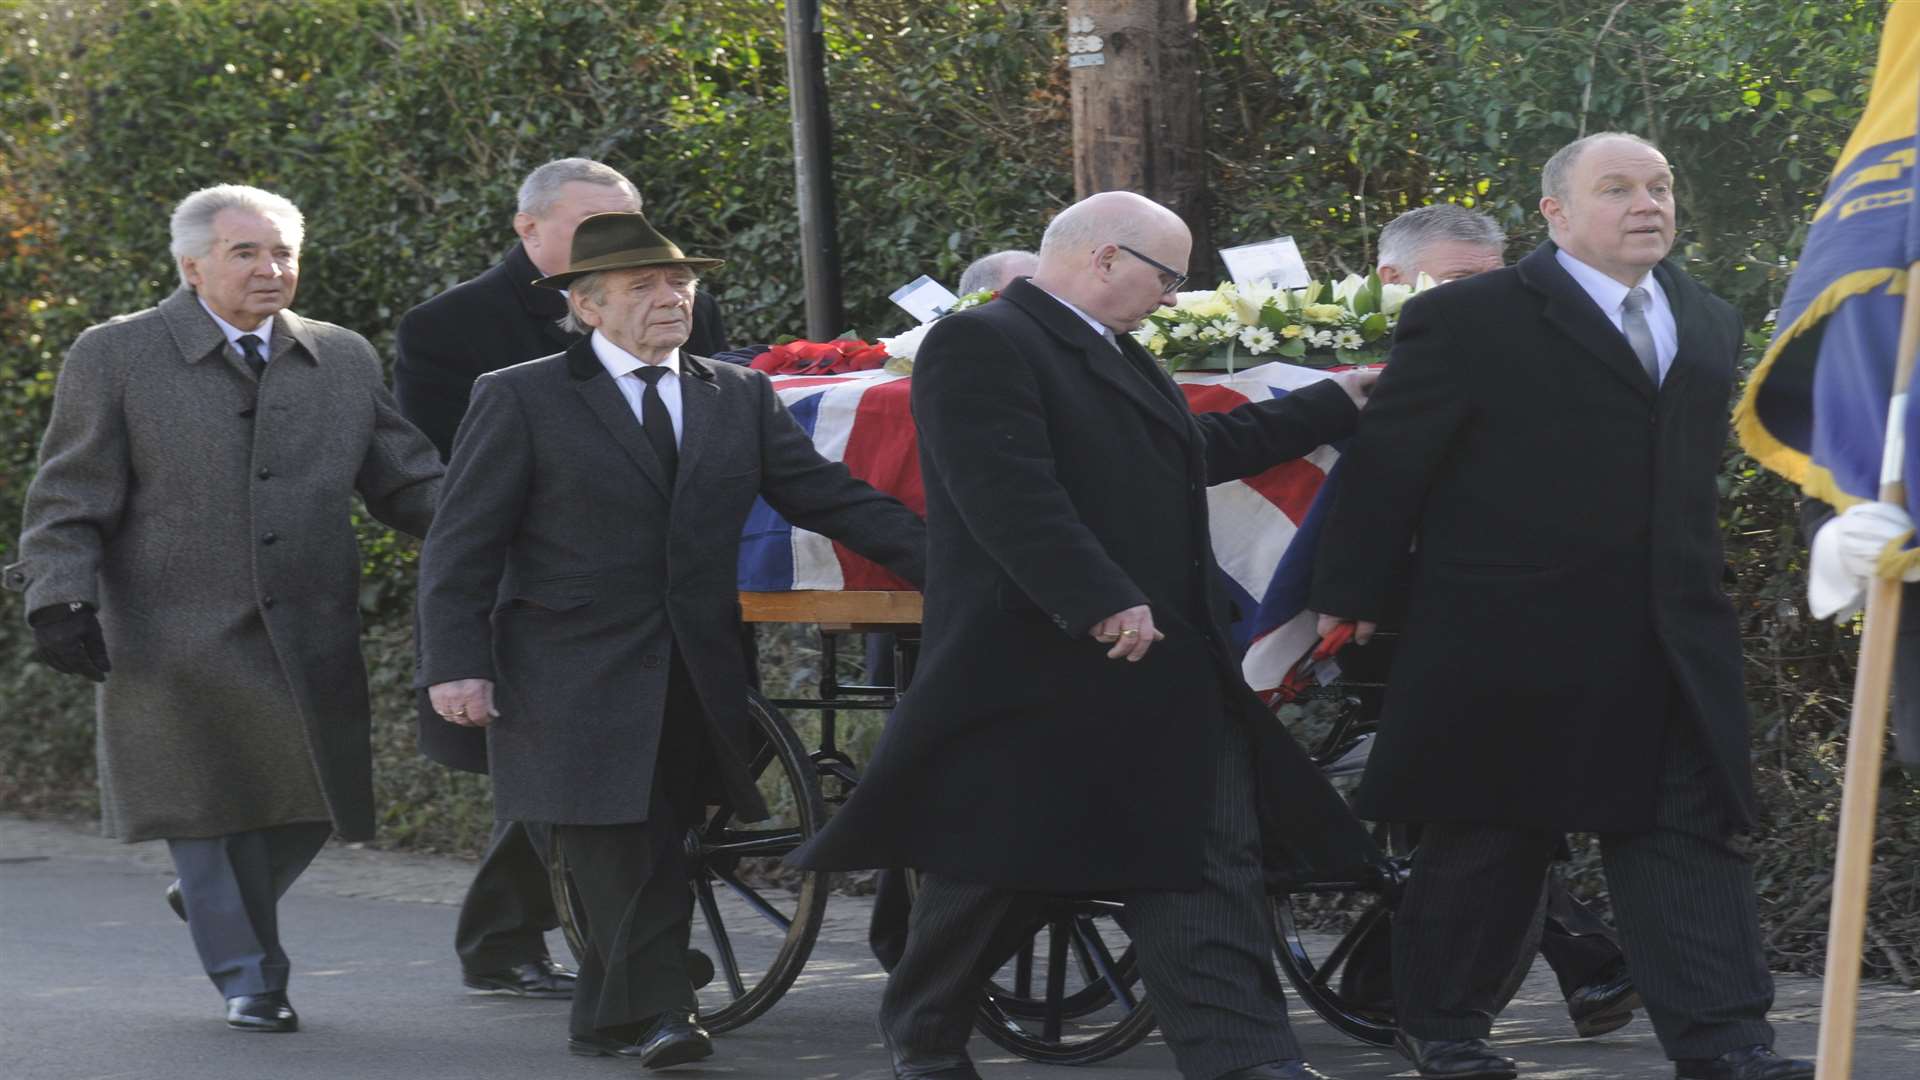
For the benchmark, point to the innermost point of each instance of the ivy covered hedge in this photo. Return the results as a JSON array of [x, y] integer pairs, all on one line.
[[403, 129]]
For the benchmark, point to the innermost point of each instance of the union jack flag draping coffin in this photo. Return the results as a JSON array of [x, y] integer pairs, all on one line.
[[1264, 527]]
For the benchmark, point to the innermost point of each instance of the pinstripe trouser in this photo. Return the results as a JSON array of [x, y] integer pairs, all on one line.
[[1683, 900], [1206, 956]]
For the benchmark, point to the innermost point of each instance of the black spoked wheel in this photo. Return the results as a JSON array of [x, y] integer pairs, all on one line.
[[755, 918], [1072, 993], [1336, 949]]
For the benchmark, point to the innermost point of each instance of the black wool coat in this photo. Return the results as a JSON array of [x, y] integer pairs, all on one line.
[[495, 320], [1566, 592], [1066, 482], [563, 566]]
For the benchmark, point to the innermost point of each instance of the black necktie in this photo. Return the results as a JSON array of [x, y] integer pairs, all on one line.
[[250, 348], [655, 421]]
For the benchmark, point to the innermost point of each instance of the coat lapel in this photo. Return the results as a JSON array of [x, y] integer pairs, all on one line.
[[290, 330], [699, 395], [1102, 359], [1570, 308], [193, 330], [595, 386], [1688, 320]]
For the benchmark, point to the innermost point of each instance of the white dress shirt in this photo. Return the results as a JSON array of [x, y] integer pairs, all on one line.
[[1612, 298], [622, 364], [1098, 326], [234, 333]]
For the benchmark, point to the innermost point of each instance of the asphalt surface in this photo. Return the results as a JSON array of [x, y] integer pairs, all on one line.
[[100, 981]]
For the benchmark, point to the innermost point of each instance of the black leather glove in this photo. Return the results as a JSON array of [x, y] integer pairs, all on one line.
[[68, 640]]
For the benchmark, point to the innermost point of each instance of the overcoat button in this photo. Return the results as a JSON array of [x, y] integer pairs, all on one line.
[[266, 474], [269, 538], [649, 662], [246, 414], [266, 601]]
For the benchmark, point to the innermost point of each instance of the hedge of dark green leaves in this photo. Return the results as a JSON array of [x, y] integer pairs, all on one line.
[[402, 130]]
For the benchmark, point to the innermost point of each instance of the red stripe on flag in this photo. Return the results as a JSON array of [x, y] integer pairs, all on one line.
[[882, 450], [1212, 398]]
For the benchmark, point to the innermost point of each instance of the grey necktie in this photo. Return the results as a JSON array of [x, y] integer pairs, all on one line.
[[1633, 322]]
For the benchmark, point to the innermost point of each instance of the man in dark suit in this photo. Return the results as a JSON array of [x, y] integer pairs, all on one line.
[[1078, 722], [584, 563], [495, 320], [1446, 242], [1546, 442]]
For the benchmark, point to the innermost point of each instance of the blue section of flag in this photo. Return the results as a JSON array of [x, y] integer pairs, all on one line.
[[766, 542]]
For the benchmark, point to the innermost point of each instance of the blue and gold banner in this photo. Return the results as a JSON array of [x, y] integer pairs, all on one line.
[[1816, 408]]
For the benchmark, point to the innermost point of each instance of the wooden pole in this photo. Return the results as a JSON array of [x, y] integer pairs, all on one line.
[[1134, 67], [813, 170], [1866, 743]]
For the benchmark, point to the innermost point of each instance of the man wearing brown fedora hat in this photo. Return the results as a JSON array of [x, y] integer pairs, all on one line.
[[578, 600]]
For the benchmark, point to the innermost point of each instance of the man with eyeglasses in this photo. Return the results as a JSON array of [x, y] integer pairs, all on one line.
[[1078, 723]]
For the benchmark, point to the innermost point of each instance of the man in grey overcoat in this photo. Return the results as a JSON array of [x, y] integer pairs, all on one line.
[[188, 545], [579, 599]]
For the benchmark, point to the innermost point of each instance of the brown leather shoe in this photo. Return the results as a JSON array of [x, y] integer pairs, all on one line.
[[269, 1012]]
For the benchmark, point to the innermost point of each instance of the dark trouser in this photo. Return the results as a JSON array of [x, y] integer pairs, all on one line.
[[231, 886], [1682, 897], [631, 880], [1576, 943], [509, 907], [1206, 956]]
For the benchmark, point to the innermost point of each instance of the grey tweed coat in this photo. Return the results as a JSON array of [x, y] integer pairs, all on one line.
[[207, 517]]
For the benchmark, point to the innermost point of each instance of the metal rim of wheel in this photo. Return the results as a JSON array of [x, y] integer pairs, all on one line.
[[714, 854], [1064, 1024]]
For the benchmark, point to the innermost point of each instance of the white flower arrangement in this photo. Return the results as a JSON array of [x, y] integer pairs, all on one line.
[[1325, 324]]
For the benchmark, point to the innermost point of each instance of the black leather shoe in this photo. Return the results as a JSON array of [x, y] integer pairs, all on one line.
[[540, 979], [699, 968], [671, 1040], [270, 1012], [174, 900], [1278, 1070], [936, 1067], [1455, 1059], [1750, 1063], [1604, 1005]]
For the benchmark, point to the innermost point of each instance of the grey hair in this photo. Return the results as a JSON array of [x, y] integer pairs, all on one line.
[[1093, 221], [542, 186], [192, 223], [1553, 175], [594, 287], [986, 271], [1406, 236]]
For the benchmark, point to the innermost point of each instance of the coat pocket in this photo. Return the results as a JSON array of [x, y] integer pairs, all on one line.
[[551, 596]]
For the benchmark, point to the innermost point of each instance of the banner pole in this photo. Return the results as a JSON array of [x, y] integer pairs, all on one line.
[[1866, 744]]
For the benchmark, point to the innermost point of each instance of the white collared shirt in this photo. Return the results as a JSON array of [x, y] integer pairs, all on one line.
[[1612, 297], [622, 364], [1098, 326], [234, 333]]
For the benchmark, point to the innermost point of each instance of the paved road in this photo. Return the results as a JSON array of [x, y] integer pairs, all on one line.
[[101, 981]]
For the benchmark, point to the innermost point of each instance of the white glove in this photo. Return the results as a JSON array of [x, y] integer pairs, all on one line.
[[1845, 552]]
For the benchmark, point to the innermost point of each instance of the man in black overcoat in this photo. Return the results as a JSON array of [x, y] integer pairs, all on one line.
[[579, 601], [1078, 722], [493, 321], [1546, 441]]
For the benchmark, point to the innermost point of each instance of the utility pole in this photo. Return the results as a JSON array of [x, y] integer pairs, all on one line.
[[1137, 121], [813, 170]]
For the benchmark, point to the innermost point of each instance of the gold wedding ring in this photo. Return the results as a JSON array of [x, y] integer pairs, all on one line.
[[1129, 633]]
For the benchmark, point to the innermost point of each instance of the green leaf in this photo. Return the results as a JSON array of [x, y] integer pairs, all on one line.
[[1373, 326]]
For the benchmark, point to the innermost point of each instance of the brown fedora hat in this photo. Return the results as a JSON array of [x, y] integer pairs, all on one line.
[[622, 240]]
